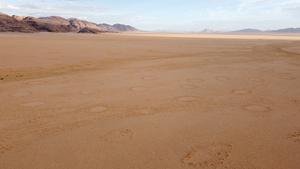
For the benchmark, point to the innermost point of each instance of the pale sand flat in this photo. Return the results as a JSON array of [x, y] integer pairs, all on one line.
[[155, 101]]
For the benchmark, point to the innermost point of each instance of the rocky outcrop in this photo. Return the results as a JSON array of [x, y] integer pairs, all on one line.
[[107, 27], [56, 24], [81, 24], [48, 24], [19, 18], [10, 24], [89, 30]]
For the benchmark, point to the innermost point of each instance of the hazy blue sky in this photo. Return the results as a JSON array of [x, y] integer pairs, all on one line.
[[172, 15]]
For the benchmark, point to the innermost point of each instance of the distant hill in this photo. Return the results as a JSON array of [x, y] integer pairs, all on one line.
[[56, 24], [123, 28], [249, 30], [286, 30], [209, 31]]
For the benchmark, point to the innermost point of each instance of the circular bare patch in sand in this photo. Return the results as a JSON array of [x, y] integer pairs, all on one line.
[[144, 111], [222, 78], [98, 109], [257, 80], [241, 92], [195, 80], [210, 156], [147, 77], [21, 94], [85, 92], [295, 136], [287, 76], [35, 82], [33, 104], [257, 108], [189, 86], [118, 135], [187, 98], [138, 88]]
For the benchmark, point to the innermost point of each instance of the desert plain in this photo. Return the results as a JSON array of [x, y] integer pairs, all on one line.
[[149, 101]]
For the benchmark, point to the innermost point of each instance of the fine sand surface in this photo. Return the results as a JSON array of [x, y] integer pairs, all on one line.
[[136, 101]]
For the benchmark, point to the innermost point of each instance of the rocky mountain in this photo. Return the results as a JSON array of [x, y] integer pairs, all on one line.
[[10, 24], [56, 24], [81, 24], [88, 30], [19, 18], [49, 24], [123, 28], [107, 27]]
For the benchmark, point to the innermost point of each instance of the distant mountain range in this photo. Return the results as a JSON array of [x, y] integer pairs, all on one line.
[[252, 31], [60, 24], [56, 24], [286, 30]]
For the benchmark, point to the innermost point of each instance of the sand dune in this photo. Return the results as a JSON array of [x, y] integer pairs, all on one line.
[[149, 101]]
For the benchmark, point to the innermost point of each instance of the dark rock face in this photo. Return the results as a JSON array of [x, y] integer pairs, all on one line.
[[9, 24], [81, 24], [56, 24], [90, 30], [46, 25]]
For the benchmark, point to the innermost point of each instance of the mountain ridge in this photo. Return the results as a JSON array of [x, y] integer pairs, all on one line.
[[56, 24], [284, 30]]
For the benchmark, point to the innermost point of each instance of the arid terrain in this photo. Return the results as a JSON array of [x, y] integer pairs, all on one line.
[[57, 24], [149, 101]]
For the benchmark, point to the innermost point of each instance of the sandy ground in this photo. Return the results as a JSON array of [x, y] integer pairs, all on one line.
[[124, 101], [249, 36]]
